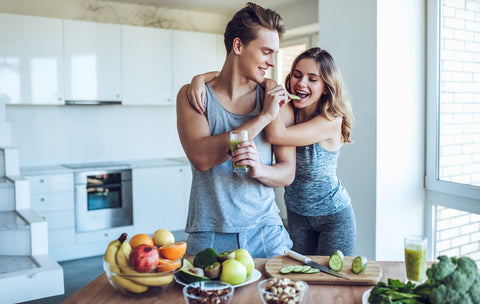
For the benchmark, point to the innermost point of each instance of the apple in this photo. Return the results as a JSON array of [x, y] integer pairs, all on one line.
[[233, 272], [244, 257], [144, 258]]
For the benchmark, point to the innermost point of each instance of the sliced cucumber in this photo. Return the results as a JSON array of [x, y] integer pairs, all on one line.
[[287, 269], [313, 270], [306, 268], [298, 268], [359, 264], [335, 262]]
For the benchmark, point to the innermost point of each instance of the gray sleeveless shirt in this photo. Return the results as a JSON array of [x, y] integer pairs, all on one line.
[[316, 189], [222, 200]]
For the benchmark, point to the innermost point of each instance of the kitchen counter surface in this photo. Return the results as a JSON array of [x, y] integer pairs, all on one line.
[[133, 164], [100, 290]]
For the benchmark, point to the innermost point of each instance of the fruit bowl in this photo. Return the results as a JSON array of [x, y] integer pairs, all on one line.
[[282, 291], [208, 292], [130, 281]]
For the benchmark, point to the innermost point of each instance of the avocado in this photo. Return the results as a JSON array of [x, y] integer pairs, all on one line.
[[205, 258], [190, 277]]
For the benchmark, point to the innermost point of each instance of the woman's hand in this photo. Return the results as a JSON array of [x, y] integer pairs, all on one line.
[[196, 94], [247, 154]]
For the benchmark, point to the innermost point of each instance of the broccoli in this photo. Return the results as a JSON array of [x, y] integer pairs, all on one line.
[[451, 280]]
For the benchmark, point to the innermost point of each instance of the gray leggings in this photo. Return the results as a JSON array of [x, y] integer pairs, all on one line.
[[321, 235]]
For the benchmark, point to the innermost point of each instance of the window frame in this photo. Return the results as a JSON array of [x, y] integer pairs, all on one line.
[[437, 192]]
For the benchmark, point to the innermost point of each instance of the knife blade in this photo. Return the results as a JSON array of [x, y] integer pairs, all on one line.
[[308, 261]]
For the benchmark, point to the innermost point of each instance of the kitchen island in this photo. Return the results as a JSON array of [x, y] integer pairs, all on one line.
[[100, 290]]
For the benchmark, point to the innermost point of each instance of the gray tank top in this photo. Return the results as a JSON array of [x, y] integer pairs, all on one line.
[[316, 189], [222, 200]]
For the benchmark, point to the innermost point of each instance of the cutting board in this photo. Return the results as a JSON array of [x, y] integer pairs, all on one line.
[[370, 276]]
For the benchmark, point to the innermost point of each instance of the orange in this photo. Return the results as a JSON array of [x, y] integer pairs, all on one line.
[[139, 239], [173, 251], [165, 265]]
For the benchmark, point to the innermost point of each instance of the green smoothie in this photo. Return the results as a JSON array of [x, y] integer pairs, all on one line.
[[415, 262], [233, 147]]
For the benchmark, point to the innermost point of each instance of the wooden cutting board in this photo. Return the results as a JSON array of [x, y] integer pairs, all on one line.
[[370, 276]]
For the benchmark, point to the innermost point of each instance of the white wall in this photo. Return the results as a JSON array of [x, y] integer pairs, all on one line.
[[379, 46], [401, 124]]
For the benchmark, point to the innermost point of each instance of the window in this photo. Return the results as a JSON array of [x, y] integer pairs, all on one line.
[[453, 128]]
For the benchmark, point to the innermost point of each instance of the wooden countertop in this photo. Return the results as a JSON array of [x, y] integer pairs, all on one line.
[[100, 290]]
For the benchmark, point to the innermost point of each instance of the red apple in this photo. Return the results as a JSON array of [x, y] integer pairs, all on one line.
[[144, 258]]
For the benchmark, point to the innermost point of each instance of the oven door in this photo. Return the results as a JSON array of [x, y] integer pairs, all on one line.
[[103, 199]]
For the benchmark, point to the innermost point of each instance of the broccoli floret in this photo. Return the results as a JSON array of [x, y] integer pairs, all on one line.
[[442, 269], [474, 291], [442, 294]]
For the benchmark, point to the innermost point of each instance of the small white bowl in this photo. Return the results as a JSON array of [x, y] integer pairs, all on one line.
[[208, 292], [284, 290]]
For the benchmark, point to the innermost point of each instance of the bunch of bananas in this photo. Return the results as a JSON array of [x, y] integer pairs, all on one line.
[[122, 275]]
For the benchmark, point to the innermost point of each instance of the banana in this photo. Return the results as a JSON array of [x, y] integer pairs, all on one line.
[[152, 280], [111, 252], [123, 255], [128, 285]]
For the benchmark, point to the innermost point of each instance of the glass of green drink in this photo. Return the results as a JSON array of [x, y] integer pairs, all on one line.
[[415, 258], [237, 137]]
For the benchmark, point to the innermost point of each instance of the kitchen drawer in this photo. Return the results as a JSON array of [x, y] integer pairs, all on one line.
[[61, 237], [50, 183], [52, 201], [104, 235], [59, 219]]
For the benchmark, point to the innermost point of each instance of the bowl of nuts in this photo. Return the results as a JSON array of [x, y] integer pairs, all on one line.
[[282, 291], [208, 292]]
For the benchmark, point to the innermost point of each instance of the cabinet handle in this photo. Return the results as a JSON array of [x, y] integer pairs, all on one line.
[[105, 235], [42, 199], [41, 180]]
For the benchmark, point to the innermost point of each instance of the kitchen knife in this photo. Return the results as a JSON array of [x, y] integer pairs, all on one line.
[[308, 261]]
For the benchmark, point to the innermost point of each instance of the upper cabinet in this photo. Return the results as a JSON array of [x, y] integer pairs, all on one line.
[[92, 61], [147, 66], [194, 53], [31, 60]]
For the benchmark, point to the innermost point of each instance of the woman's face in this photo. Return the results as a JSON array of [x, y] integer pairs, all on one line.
[[306, 83], [259, 54]]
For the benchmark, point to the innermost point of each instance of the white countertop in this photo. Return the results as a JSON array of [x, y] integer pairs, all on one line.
[[133, 164]]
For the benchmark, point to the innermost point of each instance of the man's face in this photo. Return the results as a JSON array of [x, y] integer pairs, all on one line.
[[259, 54]]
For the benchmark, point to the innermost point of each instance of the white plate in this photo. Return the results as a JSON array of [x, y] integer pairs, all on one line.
[[254, 276], [365, 296]]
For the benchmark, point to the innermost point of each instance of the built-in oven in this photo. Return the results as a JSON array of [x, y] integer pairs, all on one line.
[[103, 199]]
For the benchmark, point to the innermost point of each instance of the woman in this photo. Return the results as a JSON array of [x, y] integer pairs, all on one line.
[[319, 210]]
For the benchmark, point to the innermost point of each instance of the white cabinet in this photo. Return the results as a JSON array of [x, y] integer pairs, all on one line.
[[146, 66], [194, 53], [92, 61], [31, 60], [160, 198], [52, 196]]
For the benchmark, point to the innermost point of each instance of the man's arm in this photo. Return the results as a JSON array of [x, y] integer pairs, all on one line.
[[203, 150]]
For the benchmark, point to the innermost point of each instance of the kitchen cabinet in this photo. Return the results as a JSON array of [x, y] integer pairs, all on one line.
[[194, 53], [146, 66], [52, 197], [160, 198], [31, 60], [92, 61]]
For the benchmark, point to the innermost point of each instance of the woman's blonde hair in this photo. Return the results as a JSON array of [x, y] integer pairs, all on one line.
[[335, 102]]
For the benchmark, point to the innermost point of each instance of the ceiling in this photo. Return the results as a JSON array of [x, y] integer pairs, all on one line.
[[214, 6]]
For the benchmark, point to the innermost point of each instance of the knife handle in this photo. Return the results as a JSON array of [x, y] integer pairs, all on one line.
[[297, 256]]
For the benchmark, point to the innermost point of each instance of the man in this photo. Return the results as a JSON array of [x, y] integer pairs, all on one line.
[[231, 210]]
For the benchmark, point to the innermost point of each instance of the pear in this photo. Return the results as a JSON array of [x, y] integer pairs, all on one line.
[[244, 257]]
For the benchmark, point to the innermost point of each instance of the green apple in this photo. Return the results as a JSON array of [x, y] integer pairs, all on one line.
[[244, 257], [233, 272]]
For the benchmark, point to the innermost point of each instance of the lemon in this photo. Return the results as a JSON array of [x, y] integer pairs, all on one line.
[[163, 237]]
